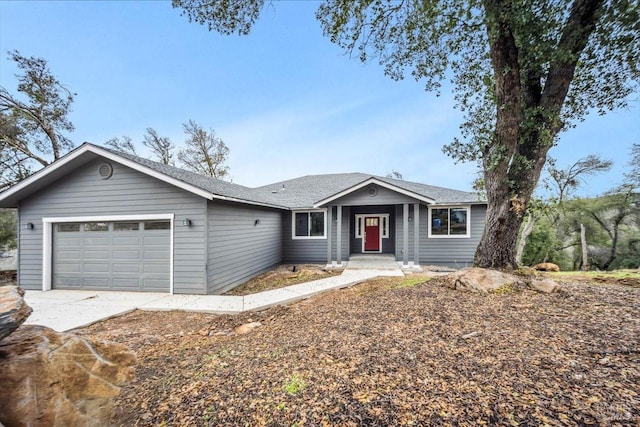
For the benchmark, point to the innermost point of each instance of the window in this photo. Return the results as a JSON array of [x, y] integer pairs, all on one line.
[[157, 225], [68, 228], [126, 226], [309, 225], [96, 226], [449, 222]]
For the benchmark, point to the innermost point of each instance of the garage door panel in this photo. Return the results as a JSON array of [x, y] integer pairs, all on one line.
[[161, 269], [155, 284], [69, 254], [96, 241], [93, 254], [124, 255], [155, 256], [119, 267], [120, 240], [64, 267], [157, 240], [126, 283], [95, 282], [70, 282], [116, 259]]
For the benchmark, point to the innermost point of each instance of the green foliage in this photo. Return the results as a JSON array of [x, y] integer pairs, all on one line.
[[544, 245], [294, 385], [8, 229]]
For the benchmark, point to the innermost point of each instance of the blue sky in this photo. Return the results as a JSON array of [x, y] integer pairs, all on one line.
[[284, 99]]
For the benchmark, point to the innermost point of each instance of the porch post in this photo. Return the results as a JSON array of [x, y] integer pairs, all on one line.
[[416, 234], [329, 221], [405, 234], [339, 235]]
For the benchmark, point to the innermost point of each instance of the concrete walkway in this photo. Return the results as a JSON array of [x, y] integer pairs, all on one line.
[[64, 310]]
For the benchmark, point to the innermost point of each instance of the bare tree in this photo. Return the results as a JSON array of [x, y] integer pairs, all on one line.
[[565, 181], [33, 123], [204, 153], [124, 145], [161, 147]]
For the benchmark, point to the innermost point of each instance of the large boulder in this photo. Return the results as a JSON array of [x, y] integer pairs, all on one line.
[[13, 310], [59, 379], [480, 279]]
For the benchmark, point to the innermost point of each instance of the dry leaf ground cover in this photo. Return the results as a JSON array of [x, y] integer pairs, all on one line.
[[391, 352], [283, 275]]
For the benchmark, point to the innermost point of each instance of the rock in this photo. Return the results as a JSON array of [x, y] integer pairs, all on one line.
[[546, 266], [59, 379], [13, 310], [480, 279], [247, 327], [545, 285], [471, 335]]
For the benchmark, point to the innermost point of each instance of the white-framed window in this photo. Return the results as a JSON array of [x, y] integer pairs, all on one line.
[[360, 224], [449, 221], [311, 224]]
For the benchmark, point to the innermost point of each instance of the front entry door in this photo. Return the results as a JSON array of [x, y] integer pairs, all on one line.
[[372, 233]]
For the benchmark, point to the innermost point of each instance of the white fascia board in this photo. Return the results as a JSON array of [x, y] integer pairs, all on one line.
[[246, 202], [108, 155], [377, 182]]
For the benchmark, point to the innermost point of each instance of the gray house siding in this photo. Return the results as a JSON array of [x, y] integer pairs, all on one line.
[[383, 196], [128, 192], [301, 250], [451, 252], [240, 249]]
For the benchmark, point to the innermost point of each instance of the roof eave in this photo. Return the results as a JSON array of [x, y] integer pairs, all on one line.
[[376, 181]]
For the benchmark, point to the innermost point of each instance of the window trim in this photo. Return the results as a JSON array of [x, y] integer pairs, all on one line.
[[308, 211], [430, 235]]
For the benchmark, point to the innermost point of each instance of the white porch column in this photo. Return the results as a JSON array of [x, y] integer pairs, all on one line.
[[329, 222], [339, 235], [416, 234], [405, 234]]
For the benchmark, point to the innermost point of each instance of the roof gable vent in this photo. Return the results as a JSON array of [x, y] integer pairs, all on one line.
[[105, 171]]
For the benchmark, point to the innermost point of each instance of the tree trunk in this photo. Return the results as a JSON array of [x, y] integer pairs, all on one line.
[[585, 252], [522, 242], [527, 122]]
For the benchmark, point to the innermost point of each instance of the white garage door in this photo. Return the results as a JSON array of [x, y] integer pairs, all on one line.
[[119, 256]]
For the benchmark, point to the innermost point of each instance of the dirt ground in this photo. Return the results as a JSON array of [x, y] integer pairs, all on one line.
[[391, 352], [283, 275]]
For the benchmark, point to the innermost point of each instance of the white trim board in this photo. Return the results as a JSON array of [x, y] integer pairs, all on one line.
[[47, 239], [293, 225], [377, 182], [449, 236]]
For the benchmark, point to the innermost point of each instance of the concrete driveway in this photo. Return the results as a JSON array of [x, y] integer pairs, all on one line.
[[64, 310]]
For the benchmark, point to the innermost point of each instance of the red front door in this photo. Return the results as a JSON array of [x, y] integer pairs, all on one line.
[[372, 233]]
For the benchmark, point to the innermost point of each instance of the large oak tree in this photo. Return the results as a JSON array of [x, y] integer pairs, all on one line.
[[522, 70]]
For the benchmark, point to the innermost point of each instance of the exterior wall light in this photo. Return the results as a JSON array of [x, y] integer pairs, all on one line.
[[28, 226], [186, 222], [256, 222]]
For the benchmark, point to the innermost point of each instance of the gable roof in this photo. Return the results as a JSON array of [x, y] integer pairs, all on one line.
[[305, 192], [316, 190]]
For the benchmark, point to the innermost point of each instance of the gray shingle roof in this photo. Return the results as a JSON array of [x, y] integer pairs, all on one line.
[[301, 192], [307, 190]]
